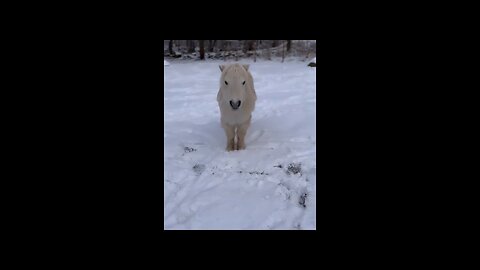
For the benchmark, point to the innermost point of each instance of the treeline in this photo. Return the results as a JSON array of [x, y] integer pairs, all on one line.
[[218, 49]]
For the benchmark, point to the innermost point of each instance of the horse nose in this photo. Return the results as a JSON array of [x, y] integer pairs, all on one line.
[[235, 105]]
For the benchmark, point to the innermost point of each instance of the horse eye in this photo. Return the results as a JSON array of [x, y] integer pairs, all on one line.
[[243, 83], [226, 82]]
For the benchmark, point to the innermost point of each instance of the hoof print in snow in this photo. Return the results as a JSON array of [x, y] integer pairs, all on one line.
[[187, 149], [199, 168], [301, 201], [294, 168], [258, 173]]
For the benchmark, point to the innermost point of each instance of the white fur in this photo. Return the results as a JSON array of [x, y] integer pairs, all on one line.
[[236, 122]]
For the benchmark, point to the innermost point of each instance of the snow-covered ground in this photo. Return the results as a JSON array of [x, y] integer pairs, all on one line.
[[271, 184]]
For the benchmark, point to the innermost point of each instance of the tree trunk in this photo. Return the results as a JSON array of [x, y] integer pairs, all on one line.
[[308, 49], [224, 50], [191, 46], [283, 52], [255, 52], [202, 49], [248, 46], [289, 44], [170, 47], [213, 45]]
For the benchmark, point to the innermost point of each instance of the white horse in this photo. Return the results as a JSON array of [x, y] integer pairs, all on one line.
[[236, 99]]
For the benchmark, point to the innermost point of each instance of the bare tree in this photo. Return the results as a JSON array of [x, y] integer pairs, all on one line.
[[251, 44], [211, 44], [191, 46], [307, 45], [248, 45], [224, 50], [236, 50], [201, 43], [255, 52], [170, 47], [214, 44]]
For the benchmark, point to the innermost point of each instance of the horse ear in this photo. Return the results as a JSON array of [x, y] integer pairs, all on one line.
[[246, 67], [221, 67]]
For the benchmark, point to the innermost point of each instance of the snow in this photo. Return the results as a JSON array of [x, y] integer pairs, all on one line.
[[165, 63], [269, 185], [314, 60]]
